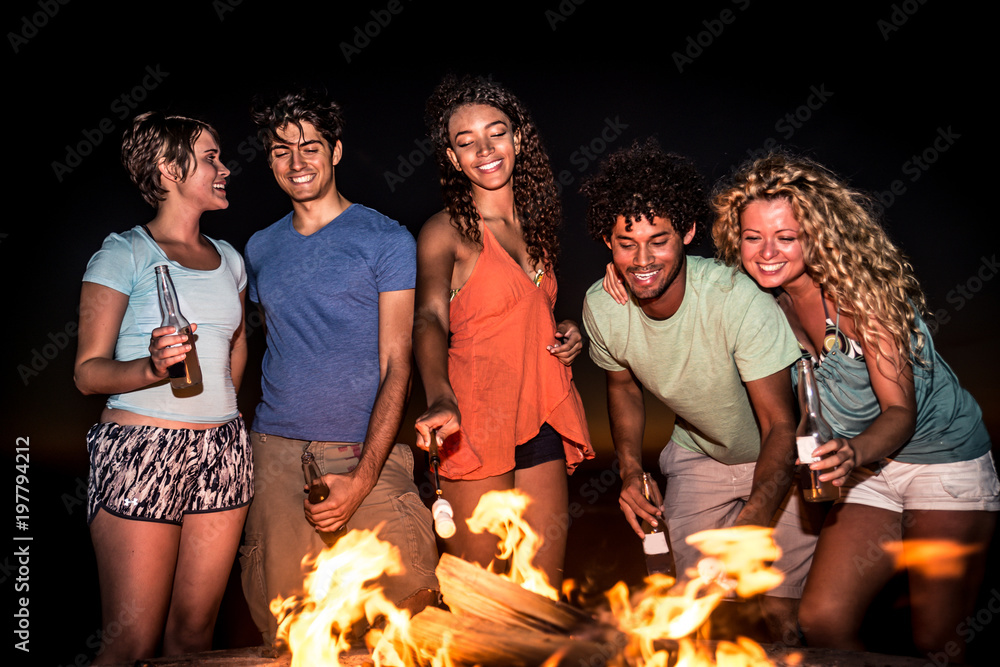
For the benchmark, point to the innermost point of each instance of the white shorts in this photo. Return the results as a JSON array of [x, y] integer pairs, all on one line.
[[962, 486]]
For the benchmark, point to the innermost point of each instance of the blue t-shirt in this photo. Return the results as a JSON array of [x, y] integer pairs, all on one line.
[[126, 263], [320, 296]]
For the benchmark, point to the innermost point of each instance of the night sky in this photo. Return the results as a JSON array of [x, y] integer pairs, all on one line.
[[889, 95]]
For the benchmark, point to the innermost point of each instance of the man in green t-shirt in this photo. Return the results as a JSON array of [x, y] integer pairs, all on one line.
[[715, 349]]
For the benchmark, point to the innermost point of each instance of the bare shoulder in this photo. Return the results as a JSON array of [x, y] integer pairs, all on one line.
[[438, 229], [440, 236]]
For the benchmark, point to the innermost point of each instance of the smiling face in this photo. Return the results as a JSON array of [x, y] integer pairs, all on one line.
[[303, 162], [483, 145], [205, 184], [770, 244], [651, 258]]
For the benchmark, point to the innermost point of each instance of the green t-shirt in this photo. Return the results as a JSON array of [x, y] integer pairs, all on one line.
[[726, 332]]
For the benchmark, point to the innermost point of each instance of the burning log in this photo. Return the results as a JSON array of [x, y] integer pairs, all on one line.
[[497, 622], [471, 591]]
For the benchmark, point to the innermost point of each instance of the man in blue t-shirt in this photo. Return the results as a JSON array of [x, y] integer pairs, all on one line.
[[334, 281]]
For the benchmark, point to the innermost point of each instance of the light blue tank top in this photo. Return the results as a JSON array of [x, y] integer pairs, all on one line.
[[949, 421]]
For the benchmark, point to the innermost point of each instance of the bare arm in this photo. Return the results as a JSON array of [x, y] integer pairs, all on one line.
[[238, 347], [627, 413], [436, 258], [347, 491], [771, 399], [891, 429], [95, 370]]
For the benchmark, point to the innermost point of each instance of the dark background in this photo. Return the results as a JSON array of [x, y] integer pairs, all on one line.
[[863, 90]]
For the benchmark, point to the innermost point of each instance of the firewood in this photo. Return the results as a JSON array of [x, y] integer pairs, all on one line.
[[471, 591], [474, 641]]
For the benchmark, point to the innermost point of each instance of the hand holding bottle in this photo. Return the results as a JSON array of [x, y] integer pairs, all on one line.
[[834, 461], [167, 348], [635, 506], [654, 542]]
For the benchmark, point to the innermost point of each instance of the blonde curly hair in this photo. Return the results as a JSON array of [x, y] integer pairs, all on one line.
[[846, 251]]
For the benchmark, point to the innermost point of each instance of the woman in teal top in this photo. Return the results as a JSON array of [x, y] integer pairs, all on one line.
[[912, 454]]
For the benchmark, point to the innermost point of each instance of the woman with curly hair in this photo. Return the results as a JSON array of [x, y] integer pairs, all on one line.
[[171, 472], [911, 454], [494, 363]]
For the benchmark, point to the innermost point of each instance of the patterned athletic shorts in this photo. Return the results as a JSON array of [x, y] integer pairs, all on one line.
[[149, 473]]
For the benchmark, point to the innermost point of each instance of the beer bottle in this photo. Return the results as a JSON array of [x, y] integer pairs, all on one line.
[[654, 544], [188, 372], [812, 432], [318, 490]]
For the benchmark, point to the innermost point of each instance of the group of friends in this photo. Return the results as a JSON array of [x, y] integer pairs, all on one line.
[[178, 484]]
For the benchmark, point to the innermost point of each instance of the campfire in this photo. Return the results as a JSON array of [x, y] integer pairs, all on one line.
[[516, 618]]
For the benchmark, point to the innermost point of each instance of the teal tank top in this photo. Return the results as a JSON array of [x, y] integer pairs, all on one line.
[[949, 421]]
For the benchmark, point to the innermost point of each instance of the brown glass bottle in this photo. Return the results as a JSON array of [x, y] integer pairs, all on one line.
[[318, 490], [812, 432], [654, 544], [188, 372]]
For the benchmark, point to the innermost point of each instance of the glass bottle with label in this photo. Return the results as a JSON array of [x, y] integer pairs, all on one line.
[[185, 373], [812, 432], [654, 544]]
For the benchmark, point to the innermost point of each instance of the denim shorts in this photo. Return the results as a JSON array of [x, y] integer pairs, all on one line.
[[148, 473], [962, 485]]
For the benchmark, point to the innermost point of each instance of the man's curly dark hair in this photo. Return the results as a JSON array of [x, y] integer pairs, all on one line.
[[535, 196], [305, 106], [644, 181]]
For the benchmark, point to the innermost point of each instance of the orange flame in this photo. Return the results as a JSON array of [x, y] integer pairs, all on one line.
[[501, 513], [665, 610], [743, 552], [341, 591], [936, 559]]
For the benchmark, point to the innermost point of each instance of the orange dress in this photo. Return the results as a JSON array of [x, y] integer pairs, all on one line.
[[507, 383]]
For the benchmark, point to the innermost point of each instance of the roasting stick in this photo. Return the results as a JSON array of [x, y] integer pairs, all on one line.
[[444, 516]]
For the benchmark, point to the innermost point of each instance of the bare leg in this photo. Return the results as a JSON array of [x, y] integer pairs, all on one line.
[[205, 558], [781, 615], [464, 495], [547, 515], [135, 565], [849, 568], [940, 604]]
